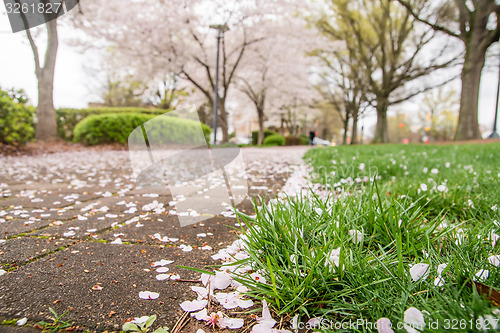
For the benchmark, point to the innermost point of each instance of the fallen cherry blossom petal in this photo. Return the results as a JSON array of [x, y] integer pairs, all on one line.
[[200, 315], [356, 235], [419, 271], [494, 260], [221, 281], [441, 268], [439, 281], [140, 320], [266, 319], [413, 320], [295, 322], [162, 277], [162, 270], [232, 323], [314, 322], [191, 306], [162, 262], [384, 325], [482, 275], [148, 295], [22, 321]]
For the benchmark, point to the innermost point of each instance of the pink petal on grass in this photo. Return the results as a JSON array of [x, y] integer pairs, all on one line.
[[413, 320], [356, 235], [482, 275], [384, 325], [314, 322], [494, 260], [441, 268], [419, 271], [439, 281], [148, 295]]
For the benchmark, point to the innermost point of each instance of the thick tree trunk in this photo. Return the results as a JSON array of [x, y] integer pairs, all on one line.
[[468, 124], [46, 128], [354, 132], [260, 112], [381, 132]]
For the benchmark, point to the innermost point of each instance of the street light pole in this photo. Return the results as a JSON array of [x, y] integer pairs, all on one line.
[[494, 135], [221, 28]]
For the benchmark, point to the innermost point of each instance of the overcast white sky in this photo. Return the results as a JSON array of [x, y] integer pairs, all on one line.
[[71, 83]]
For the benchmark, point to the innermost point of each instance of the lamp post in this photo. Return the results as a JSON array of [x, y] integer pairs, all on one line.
[[494, 135], [221, 28]]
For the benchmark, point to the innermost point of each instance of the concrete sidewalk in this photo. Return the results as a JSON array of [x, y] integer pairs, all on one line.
[[77, 235]]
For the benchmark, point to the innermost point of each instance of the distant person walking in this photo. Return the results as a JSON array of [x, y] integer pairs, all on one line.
[[312, 135]]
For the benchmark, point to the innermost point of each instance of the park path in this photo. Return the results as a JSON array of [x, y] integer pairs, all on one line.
[[78, 235]]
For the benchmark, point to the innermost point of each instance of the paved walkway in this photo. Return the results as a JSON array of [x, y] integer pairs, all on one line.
[[78, 235]]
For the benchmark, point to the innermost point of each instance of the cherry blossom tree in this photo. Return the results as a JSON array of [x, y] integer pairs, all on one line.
[[174, 37], [276, 70]]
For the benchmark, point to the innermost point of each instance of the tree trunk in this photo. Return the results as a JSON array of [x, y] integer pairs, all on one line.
[[468, 124], [346, 126], [260, 112], [381, 133], [354, 133], [223, 121], [46, 128]]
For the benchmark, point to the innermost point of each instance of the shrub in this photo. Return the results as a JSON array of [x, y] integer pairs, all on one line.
[[293, 141], [255, 135], [116, 128], [16, 121], [274, 140], [67, 119], [305, 139]]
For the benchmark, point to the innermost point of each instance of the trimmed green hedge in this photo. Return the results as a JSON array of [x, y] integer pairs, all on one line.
[[274, 140], [67, 119], [16, 121], [116, 128], [255, 135]]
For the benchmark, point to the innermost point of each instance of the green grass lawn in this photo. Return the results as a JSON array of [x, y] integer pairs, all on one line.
[[399, 227]]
